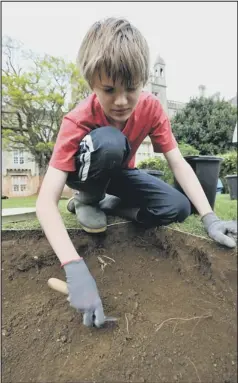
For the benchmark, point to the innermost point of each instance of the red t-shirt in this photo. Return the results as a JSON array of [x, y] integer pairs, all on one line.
[[147, 119]]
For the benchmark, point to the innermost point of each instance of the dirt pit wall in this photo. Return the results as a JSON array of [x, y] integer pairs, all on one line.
[[174, 295]]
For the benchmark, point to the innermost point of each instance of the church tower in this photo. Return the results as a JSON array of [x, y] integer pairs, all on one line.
[[159, 82]]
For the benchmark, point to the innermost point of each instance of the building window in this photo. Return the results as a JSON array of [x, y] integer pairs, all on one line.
[[19, 183], [18, 157], [15, 156], [161, 72]]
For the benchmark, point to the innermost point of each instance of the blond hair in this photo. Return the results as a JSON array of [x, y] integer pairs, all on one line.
[[118, 48]]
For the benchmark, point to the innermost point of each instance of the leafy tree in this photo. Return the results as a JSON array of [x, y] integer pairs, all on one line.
[[207, 124], [35, 91]]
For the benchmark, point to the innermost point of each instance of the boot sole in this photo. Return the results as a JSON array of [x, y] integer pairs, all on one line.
[[88, 230]]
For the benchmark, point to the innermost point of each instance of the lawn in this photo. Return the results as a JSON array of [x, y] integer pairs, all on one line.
[[224, 208], [19, 202]]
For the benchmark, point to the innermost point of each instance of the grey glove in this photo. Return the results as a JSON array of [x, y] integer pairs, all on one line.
[[223, 232], [83, 293]]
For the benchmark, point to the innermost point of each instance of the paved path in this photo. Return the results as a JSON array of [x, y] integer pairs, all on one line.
[[18, 214]]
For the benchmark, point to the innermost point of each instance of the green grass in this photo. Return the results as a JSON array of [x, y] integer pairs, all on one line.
[[224, 208], [69, 219], [19, 202]]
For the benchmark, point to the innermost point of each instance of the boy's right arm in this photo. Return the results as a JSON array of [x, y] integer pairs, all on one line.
[[82, 287], [50, 218]]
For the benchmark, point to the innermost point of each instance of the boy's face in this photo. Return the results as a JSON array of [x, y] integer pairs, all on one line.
[[117, 102]]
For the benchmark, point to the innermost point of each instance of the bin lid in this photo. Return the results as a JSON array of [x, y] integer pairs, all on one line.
[[203, 158]]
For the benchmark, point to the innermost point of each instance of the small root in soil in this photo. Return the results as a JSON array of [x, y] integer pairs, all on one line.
[[183, 319], [199, 320], [195, 368], [127, 324], [111, 259], [103, 263]]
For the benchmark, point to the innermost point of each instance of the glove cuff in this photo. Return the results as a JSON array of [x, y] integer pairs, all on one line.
[[209, 219], [72, 260]]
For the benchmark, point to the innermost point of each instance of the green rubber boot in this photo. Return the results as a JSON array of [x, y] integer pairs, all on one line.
[[89, 215]]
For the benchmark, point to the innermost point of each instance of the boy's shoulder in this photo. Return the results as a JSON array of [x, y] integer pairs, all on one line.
[[148, 104]]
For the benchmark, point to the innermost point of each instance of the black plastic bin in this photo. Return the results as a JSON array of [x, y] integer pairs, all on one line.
[[232, 185], [152, 172], [207, 169]]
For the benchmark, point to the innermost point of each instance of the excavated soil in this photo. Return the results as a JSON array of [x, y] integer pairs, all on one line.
[[174, 295]]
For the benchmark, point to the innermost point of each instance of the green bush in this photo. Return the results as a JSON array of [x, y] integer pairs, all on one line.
[[228, 167], [207, 124], [188, 150], [158, 163]]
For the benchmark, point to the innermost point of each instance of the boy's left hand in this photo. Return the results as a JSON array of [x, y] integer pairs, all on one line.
[[223, 232]]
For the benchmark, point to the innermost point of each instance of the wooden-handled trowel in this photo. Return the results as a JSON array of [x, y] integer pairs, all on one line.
[[61, 286]]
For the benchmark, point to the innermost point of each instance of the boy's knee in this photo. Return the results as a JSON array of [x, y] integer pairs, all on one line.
[[111, 146], [175, 209], [183, 207]]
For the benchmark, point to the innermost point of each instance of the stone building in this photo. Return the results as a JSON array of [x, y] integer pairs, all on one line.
[[157, 82], [20, 173], [157, 86]]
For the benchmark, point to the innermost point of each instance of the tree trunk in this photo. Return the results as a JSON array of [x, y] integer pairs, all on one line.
[[43, 166]]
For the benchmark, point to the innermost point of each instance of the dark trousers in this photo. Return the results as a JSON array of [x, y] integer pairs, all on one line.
[[99, 162]]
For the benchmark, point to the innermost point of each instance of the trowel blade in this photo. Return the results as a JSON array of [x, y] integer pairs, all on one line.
[[110, 319]]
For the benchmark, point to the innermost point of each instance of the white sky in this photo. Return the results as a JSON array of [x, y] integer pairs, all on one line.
[[198, 41]]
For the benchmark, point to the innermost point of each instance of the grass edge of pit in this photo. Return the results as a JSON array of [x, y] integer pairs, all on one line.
[[7, 234], [73, 230]]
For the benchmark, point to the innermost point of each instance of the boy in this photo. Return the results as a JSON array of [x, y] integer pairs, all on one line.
[[95, 154]]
